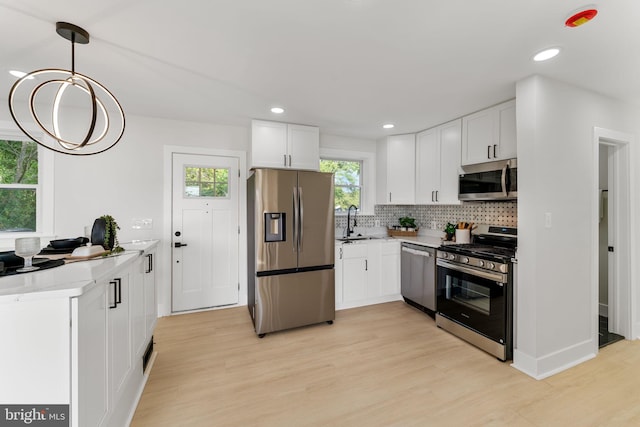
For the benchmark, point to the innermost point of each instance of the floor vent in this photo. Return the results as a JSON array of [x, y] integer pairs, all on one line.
[[147, 355]]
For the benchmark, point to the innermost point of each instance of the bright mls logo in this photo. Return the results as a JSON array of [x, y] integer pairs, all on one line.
[[34, 415]]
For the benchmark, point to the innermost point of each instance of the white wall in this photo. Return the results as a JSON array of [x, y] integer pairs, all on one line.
[[127, 181], [347, 143], [555, 305]]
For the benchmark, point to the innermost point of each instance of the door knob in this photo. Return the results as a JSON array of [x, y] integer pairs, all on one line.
[[179, 245]]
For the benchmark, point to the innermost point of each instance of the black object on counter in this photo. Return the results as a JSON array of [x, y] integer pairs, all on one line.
[[68, 243], [98, 233], [12, 262]]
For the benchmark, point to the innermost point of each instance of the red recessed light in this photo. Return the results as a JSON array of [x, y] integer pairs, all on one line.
[[581, 17]]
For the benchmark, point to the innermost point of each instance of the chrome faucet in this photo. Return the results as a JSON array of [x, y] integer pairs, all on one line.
[[349, 229]]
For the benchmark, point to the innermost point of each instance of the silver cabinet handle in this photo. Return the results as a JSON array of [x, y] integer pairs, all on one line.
[[432, 199], [285, 160], [289, 160], [366, 265], [494, 150], [389, 197], [436, 195], [301, 226], [296, 214], [488, 151]]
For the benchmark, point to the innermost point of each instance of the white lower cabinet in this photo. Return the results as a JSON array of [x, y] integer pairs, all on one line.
[[367, 272], [89, 373], [83, 344], [355, 274], [390, 267], [110, 334], [119, 326]]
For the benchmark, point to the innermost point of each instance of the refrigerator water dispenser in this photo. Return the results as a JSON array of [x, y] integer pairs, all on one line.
[[274, 227]]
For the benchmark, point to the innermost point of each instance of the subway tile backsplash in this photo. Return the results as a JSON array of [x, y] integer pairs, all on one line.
[[494, 213]]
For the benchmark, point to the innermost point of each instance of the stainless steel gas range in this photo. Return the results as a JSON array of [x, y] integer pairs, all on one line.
[[475, 289]]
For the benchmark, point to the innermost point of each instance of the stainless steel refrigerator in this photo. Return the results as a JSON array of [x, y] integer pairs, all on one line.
[[291, 249]]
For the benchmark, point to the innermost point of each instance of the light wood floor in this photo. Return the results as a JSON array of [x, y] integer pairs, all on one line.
[[381, 365]]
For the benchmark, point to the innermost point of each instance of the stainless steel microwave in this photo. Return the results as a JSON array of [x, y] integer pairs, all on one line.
[[489, 181]]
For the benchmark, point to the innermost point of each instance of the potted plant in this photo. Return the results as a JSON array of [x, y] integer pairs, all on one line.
[[408, 223], [105, 233], [450, 231]]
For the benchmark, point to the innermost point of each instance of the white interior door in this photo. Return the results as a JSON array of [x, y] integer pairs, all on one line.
[[205, 200]]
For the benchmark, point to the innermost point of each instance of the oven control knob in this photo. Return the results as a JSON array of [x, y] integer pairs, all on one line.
[[465, 260], [480, 263], [491, 265], [504, 268], [452, 257]]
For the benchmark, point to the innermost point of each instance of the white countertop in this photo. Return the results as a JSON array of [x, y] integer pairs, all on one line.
[[71, 279], [431, 238]]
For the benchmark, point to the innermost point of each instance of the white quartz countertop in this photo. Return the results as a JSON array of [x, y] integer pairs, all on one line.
[[71, 279], [432, 238]]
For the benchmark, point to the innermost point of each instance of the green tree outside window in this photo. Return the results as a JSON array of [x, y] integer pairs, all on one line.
[[347, 182], [18, 186]]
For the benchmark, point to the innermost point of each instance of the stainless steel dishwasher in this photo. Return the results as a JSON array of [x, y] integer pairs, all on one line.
[[418, 277]]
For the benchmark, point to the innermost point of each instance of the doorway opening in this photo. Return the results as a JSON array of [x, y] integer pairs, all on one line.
[[613, 224]]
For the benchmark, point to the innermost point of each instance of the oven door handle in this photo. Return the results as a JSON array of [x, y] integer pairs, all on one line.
[[499, 278]]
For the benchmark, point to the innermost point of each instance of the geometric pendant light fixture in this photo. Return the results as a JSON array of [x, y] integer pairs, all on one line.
[[66, 111]]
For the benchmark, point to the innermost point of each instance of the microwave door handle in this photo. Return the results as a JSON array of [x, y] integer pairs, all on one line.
[[505, 189]]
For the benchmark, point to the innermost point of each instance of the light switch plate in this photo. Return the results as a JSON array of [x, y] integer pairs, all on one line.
[[142, 223]]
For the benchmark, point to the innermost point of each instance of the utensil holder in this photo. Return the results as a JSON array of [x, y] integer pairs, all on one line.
[[463, 235]]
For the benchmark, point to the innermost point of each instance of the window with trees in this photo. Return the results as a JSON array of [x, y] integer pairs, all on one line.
[[20, 189], [206, 182], [347, 182]]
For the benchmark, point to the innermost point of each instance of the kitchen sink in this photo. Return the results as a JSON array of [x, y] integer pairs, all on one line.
[[356, 238]]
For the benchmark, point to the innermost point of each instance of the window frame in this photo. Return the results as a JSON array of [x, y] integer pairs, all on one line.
[[44, 188], [367, 175]]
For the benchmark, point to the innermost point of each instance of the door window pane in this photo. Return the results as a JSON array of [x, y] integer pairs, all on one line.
[[206, 182]]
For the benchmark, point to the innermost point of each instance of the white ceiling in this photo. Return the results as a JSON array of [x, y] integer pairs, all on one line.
[[347, 66]]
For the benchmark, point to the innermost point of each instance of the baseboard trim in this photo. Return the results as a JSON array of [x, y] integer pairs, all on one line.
[[553, 363]]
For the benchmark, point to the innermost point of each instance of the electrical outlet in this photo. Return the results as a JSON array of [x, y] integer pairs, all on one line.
[[547, 220], [433, 225], [377, 222]]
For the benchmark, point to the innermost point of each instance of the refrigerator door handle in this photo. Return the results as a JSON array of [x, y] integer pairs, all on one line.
[[296, 214], [301, 224]]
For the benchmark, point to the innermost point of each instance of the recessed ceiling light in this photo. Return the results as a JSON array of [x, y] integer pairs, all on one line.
[[19, 74], [388, 126], [546, 54], [277, 110]]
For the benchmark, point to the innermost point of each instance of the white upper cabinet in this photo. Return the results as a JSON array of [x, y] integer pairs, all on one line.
[[282, 145], [396, 170], [438, 164], [490, 134]]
